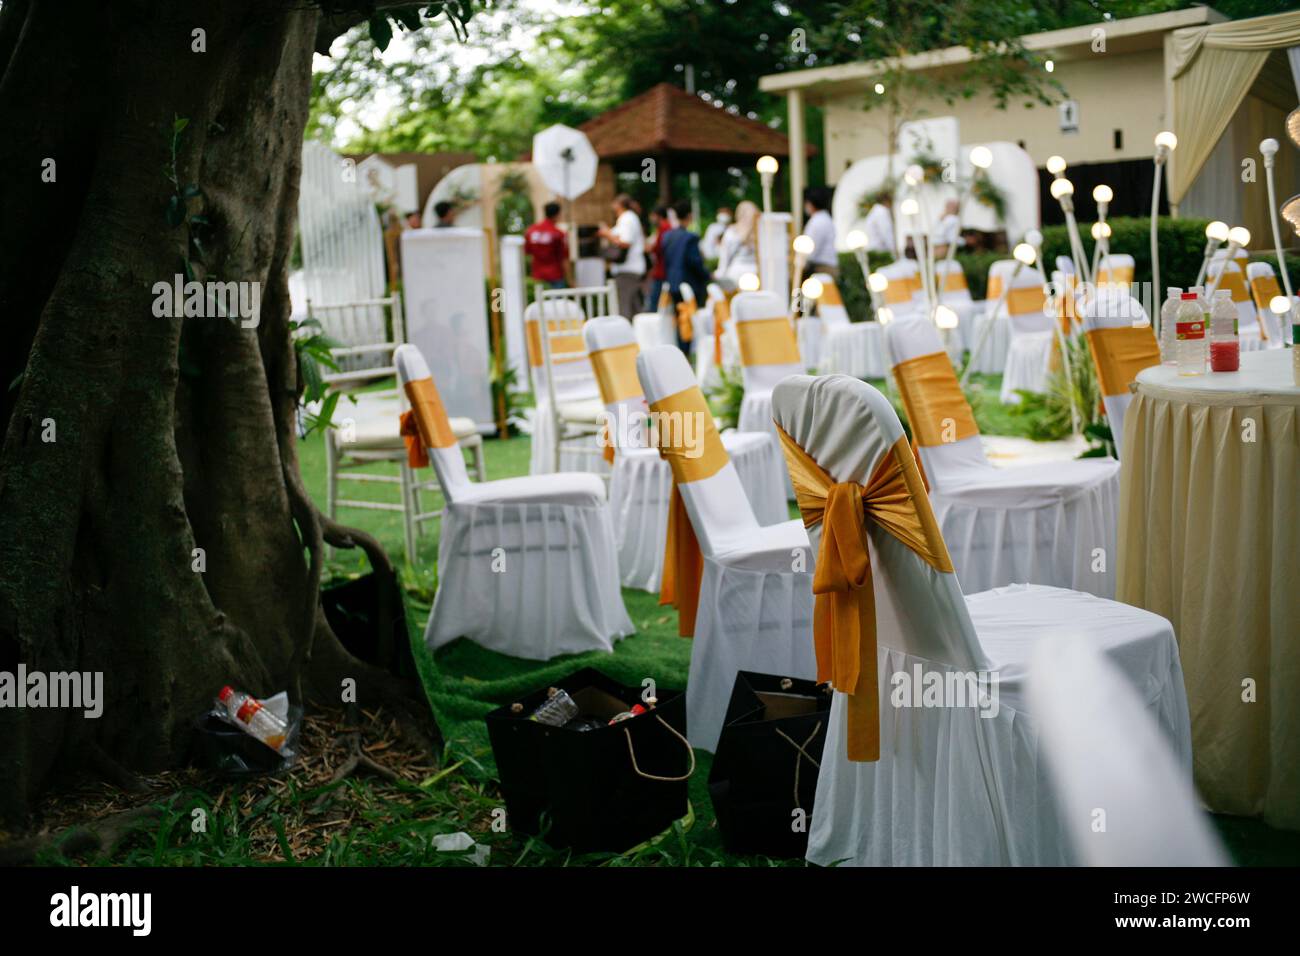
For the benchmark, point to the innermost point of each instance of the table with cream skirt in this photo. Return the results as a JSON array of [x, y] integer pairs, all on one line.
[[1209, 537]]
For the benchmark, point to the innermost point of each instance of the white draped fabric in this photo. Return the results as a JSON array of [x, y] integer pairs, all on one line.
[[526, 566], [959, 781], [1105, 752], [755, 609]]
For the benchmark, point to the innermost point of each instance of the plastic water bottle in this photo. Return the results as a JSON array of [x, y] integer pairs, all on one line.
[[1225, 346], [557, 710], [1190, 329], [253, 718], [1168, 317]]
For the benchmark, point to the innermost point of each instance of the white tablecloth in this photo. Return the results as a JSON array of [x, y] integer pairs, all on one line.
[[1209, 537]]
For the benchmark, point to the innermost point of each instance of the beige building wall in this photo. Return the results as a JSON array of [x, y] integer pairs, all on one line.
[[852, 133]]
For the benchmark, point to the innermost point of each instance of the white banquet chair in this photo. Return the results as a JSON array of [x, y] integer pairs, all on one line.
[[1122, 343], [768, 353], [708, 320], [854, 348], [1125, 789], [904, 294], [950, 279], [1263, 288], [366, 418], [526, 566], [1115, 268], [641, 484], [1052, 523], [566, 416], [754, 609], [960, 783], [992, 359], [1252, 336], [1033, 336]]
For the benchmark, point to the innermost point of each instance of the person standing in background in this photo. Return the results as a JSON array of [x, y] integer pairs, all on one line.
[[547, 244], [710, 245], [739, 247], [879, 226], [820, 228], [948, 232], [658, 275], [627, 234], [685, 265]]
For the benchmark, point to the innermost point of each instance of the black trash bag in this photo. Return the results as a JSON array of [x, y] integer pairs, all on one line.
[[765, 767], [221, 746], [607, 787], [357, 615]]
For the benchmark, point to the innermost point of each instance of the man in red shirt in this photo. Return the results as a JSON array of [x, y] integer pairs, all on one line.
[[548, 245]]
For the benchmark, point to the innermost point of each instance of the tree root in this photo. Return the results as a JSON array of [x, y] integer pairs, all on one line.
[[102, 835], [357, 760], [112, 771]]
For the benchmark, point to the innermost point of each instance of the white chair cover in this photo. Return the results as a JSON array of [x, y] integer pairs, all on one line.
[[577, 394], [641, 484], [1125, 791], [854, 348], [905, 294], [655, 328], [992, 360], [1038, 523], [955, 784], [755, 610], [1115, 268], [1029, 354], [526, 566], [756, 407], [1113, 308], [955, 294]]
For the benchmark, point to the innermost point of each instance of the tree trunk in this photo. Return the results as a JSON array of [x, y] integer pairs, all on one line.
[[169, 434]]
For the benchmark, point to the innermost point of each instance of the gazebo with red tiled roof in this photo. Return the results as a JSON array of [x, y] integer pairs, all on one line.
[[678, 129]]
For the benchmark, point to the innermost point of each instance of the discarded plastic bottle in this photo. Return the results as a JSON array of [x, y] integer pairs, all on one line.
[[254, 719], [558, 709]]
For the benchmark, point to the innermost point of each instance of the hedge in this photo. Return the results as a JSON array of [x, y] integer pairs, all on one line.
[[1182, 245]]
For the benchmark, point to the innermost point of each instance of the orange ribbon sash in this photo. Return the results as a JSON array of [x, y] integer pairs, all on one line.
[[937, 411], [1120, 353], [767, 342], [844, 616]]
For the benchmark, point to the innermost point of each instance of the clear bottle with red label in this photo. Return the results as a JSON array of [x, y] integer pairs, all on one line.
[[253, 718], [1192, 351], [1225, 346]]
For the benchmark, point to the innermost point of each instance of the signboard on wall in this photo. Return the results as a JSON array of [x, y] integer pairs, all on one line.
[[1069, 112]]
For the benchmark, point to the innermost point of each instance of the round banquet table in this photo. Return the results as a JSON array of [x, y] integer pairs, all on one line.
[[1209, 537]]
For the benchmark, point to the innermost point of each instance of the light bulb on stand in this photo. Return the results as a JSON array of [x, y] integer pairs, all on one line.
[[1056, 165], [1238, 238], [981, 157], [1025, 254], [914, 175], [767, 167], [1216, 233], [1166, 143], [748, 282], [945, 318]]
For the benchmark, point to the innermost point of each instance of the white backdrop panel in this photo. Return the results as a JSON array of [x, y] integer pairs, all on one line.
[[446, 315]]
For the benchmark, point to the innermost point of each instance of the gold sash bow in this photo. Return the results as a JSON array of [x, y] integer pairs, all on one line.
[[1120, 353], [936, 408], [767, 342], [1264, 289], [683, 560], [844, 617], [426, 425], [564, 348], [1024, 299], [615, 370], [685, 313]]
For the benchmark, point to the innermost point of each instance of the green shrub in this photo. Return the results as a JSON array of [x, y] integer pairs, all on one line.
[[853, 288], [1182, 245]]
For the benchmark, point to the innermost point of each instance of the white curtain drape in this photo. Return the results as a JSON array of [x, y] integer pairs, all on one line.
[[1210, 71]]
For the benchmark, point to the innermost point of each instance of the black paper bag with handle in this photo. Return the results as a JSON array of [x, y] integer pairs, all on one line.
[[608, 788], [766, 763]]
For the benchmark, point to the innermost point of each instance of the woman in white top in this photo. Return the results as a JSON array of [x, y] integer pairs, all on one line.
[[630, 235], [738, 253]]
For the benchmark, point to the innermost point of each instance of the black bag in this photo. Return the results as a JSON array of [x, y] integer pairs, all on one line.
[[607, 788], [370, 622], [614, 254], [766, 763]]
